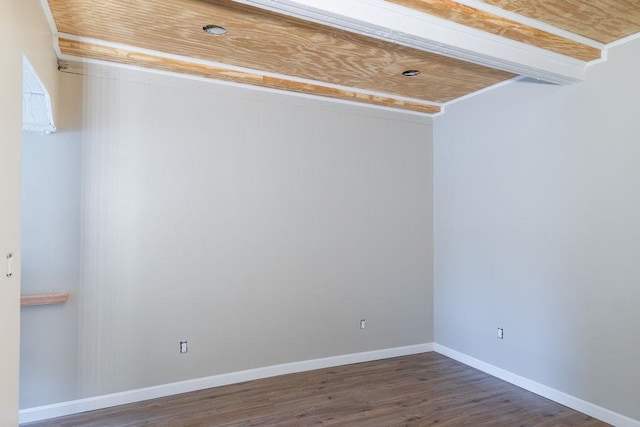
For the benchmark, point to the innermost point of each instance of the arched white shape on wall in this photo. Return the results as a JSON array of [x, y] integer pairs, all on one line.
[[37, 114]]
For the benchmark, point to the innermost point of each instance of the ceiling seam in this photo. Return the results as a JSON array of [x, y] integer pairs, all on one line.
[[255, 72], [138, 68], [530, 22]]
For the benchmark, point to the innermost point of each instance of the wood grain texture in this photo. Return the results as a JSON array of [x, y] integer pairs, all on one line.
[[480, 20], [43, 299], [419, 390], [602, 20], [262, 40], [88, 50]]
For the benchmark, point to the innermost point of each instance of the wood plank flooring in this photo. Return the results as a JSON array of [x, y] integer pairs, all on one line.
[[420, 390]]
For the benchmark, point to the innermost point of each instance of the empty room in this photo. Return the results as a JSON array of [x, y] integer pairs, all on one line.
[[301, 212]]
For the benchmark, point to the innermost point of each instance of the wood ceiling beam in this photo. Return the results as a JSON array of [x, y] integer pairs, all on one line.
[[604, 20], [452, 29], [503, 27], [267, 43], [78, 49]]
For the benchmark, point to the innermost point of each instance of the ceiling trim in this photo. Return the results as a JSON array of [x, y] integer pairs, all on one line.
[[481, 91], [47, 12], [77, 48], [531, 22], [399, 24], [474, 17], [624, 40]]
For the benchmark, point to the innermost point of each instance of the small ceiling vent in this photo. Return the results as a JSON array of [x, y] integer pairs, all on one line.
[[410, 73], [214, 30]]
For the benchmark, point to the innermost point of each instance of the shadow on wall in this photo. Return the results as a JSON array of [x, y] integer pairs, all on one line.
[[51, 176]]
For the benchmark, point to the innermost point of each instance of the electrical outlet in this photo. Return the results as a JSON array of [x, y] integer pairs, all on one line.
[[183, 346], [500, 333], [363, 323]]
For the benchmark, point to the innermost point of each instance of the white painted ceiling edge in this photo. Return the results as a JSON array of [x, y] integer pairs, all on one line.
[[398, 24], [37, 113]]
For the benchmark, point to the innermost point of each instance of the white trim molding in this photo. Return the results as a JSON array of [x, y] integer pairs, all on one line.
[[624, 40], [530, 22], [106, 401], [75, 64], [248, 71], [560, 397], [221, 65]]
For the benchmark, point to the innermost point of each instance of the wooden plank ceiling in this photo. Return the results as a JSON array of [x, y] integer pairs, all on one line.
[[271, 50], [475, 18], [604, 21]]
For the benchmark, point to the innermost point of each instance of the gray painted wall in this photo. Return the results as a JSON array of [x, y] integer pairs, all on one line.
[[51, 256], [260, 227], [537, 230]]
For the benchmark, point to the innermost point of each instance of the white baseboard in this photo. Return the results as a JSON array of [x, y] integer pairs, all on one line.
[[572, 402], [106, 401]]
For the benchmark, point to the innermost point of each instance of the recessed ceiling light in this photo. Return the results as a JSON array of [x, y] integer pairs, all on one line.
[[410, 73], [214, 30]]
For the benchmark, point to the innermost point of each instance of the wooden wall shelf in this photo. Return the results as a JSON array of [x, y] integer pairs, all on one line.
[[43, 299]]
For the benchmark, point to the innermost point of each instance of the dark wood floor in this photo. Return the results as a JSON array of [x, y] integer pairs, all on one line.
[[421, 390]]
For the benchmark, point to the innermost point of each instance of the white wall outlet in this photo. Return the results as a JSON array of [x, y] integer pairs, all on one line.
[[363, 323], [500, 333], [183, 346]]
